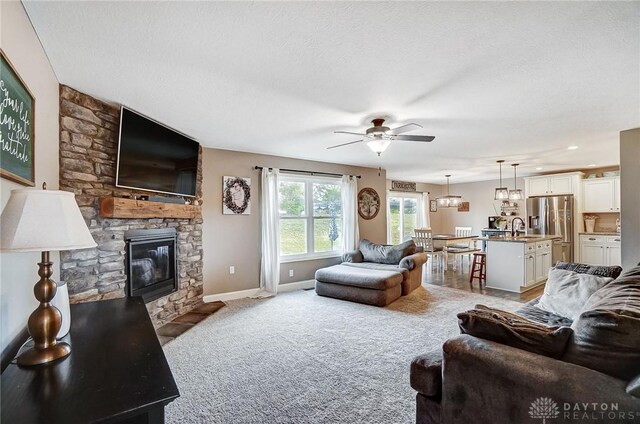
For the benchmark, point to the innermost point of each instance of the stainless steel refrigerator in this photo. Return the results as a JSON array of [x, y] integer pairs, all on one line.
[[553, 215]]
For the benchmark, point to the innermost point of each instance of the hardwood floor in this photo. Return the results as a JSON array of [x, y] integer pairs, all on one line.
[[460, 280]]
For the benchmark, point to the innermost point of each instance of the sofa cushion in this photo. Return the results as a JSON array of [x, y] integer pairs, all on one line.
[[359, 277], [533, 313], [353, 256], [513, 330], [606, 335], [426, 373], [381, 267], [373, 252], [601, 270], [566, 292]]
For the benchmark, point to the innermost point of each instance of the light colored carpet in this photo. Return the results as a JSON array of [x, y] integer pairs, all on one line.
[[301, 358]]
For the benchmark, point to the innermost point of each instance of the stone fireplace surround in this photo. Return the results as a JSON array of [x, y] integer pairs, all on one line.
[[88, 149]]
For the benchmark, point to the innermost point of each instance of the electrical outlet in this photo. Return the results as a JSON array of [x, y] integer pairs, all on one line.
[[232, 270], [290, 273]]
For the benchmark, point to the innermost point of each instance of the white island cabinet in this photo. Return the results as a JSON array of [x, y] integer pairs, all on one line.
[[518, 264]]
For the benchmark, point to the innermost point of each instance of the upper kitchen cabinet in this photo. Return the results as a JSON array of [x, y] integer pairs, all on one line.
[[601, 194], [551, 185]]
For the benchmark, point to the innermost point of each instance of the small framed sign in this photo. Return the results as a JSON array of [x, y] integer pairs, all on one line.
[[464, 207], [402, 186], [17, 124]]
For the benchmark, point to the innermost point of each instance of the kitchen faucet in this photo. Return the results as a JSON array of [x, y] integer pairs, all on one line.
[[514, 232]]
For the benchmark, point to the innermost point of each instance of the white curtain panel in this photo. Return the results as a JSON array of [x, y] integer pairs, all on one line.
[[425, 211], [350, 231], [270, 223]]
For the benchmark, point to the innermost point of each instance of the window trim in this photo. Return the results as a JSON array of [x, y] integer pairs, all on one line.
[[309, 218]]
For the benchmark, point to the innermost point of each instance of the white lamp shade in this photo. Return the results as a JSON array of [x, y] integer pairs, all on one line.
[[43, 220], [378, 145]]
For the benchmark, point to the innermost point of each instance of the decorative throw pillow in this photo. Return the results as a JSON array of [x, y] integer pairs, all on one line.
[[606, 335], [600, 270], [378, 253], [513, 330], [566, 292]]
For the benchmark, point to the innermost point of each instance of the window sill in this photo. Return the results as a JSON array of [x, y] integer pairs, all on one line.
[[306, 258]]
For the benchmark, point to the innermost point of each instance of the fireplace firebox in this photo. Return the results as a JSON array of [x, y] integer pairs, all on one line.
[[151, 263]]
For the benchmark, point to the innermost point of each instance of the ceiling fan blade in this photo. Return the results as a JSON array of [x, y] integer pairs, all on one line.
[[345, 144], [349, 132], [404, 128], [425, 138]]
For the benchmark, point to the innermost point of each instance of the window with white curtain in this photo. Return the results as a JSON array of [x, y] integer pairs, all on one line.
[[310, 217], [403, 215]]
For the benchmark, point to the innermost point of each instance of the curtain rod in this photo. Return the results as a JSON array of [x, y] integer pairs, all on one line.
[[299, 171], [417, 191]]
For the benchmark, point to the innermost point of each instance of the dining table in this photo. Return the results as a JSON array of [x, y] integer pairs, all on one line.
[[446, 240]]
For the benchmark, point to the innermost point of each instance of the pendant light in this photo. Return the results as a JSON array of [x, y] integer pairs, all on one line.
[[449, 201], [502, 193], [516, 193]]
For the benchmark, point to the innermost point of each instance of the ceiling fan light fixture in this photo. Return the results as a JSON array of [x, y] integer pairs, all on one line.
[[378, 145]]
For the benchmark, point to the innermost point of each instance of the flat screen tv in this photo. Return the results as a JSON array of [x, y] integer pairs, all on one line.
[[154, 157]]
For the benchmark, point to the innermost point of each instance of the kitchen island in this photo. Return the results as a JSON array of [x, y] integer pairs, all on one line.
[[518, 263]]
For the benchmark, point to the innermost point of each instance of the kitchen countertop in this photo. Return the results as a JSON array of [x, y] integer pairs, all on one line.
[[600, 233], [519, 239]]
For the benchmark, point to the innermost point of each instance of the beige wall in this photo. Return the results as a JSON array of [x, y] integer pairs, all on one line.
[[234, 240], [19, 271], [630, 196], [481, 205]]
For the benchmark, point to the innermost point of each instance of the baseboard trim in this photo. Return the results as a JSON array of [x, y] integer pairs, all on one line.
[[298, 285], [240, 294]]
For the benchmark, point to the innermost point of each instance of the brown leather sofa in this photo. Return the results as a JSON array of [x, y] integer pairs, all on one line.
[[597, 379]]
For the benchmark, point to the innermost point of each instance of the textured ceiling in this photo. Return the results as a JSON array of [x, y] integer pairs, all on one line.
[[515, 81]]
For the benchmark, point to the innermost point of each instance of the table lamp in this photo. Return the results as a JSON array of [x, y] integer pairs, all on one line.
[[42, 221]]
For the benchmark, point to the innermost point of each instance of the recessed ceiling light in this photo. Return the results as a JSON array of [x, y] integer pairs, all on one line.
[[572, 147], [591, 165], [539, 168]]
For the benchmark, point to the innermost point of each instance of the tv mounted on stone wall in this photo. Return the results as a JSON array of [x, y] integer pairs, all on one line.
[[154, 157]]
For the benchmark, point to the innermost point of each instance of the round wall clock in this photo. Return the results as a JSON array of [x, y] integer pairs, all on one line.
[[368, 203]]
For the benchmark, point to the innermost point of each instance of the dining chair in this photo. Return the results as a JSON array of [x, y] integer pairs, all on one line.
[[462, 249], [423, 237]]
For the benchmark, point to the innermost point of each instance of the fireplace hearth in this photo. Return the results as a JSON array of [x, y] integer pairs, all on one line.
[[151, 263]]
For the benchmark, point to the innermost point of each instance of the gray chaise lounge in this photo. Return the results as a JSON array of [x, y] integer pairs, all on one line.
[[374, 274]]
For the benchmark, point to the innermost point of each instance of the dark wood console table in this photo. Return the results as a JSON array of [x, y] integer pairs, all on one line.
[[116, 373]]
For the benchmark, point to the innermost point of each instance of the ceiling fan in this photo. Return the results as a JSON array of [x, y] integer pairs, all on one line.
[[379, 137]]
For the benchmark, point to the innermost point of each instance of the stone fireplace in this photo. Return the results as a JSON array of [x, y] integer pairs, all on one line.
[[88, 149]]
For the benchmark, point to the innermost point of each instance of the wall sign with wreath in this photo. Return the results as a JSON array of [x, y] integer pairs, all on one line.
[[368, 203], [236, 196]]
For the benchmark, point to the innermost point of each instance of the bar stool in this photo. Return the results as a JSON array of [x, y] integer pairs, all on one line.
[[478, 269]]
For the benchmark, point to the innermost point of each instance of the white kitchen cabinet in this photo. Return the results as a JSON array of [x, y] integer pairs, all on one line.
[[560, 184], [600, 250], [530, 269], [601, 195], [538, 186], [550, 185], [613, 253], [616, 194], [517, 266]]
